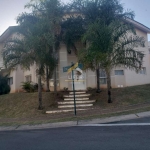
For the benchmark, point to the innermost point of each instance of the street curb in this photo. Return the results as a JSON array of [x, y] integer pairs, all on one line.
[[76, 123]]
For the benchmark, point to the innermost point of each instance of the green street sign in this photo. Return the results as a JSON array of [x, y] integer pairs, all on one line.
[[80, 66], [65, 69]]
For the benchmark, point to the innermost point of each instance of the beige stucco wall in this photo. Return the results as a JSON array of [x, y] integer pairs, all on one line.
[[17, 75], [91, 79], [149, 50], [63, 62], [1, 58], [32, 72], [133, 78], [118, 80], [66, 59]]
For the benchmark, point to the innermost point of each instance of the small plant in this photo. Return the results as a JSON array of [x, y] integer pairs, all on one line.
[[28, 87], [36, 86], [89, 89], [65, 89]]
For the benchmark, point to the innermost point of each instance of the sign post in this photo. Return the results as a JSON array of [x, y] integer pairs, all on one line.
[[69, 69], [75, 111], [73, 66]]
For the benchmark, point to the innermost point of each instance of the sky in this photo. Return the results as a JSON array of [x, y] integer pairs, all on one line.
[[10, 9]]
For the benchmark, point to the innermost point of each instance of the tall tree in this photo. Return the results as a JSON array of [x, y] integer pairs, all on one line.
[[33, 45], [107, 34], [90, 11], [52, 11]]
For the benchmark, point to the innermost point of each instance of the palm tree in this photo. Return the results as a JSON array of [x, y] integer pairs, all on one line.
[[111, 46], [52, 11], [88, 12], [102, 20], [34, 46]]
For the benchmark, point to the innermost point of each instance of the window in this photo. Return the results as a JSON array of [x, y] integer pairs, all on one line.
[[103, 77], [28, 78], [142, 71], [119, 72], [10, 81], [57, 78]]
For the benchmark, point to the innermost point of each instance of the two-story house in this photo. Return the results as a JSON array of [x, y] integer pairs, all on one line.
[[120, 77]]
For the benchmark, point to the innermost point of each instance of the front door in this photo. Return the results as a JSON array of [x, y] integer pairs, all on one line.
[[79, 80]]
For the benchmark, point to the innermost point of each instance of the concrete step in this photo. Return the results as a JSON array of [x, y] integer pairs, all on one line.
[[81, 95], [60, 111], [78, 105], [77, 102], [77, 99], [77, 92]]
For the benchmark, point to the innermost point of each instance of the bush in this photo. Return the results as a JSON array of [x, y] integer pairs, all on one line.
[[35, 85], [89, 89], [65, 89], [4, 87], [28, 87]]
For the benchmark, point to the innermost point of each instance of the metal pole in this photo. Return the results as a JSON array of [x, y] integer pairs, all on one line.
[[75, 112]]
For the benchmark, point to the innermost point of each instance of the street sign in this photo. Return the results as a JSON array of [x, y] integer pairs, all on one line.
[[65, 69], [73, 67]]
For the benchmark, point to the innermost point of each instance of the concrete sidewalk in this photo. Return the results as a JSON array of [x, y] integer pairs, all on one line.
[[76, 123]]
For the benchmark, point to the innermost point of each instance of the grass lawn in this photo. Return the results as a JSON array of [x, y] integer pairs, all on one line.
[[23, 106], [123, 96]]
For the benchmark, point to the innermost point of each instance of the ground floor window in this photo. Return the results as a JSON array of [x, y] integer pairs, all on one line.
[[119, 72], [28, 78], [142, 71], [103, 77], [57, 78], [10, 81]]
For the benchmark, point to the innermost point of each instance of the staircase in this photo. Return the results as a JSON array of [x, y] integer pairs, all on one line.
[[82, 102]]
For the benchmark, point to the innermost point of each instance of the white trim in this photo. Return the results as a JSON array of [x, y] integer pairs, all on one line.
[[122, 124]]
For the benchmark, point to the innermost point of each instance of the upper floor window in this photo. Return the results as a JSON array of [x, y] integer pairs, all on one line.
[[119, 72], [10, 81]]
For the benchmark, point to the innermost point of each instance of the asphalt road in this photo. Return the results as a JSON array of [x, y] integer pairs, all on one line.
[[81, 138]]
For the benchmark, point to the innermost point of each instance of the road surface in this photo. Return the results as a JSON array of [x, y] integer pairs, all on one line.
[[112, 136]]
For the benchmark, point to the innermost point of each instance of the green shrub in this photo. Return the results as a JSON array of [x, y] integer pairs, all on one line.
[[28, 87], [4, 87], [89, 89], [65, 89]]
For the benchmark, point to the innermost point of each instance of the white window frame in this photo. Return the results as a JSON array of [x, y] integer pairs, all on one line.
[[57, 78], [102, 76], [142, 71], [10, 81], [28, 78]]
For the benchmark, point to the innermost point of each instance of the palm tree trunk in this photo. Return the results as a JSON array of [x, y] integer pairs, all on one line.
[[55, 81], [109, 86], [47, 80], [98, 82], [40, 92], [55, 73]]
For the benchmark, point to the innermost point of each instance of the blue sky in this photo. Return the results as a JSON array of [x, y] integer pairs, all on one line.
[[11, 8]]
